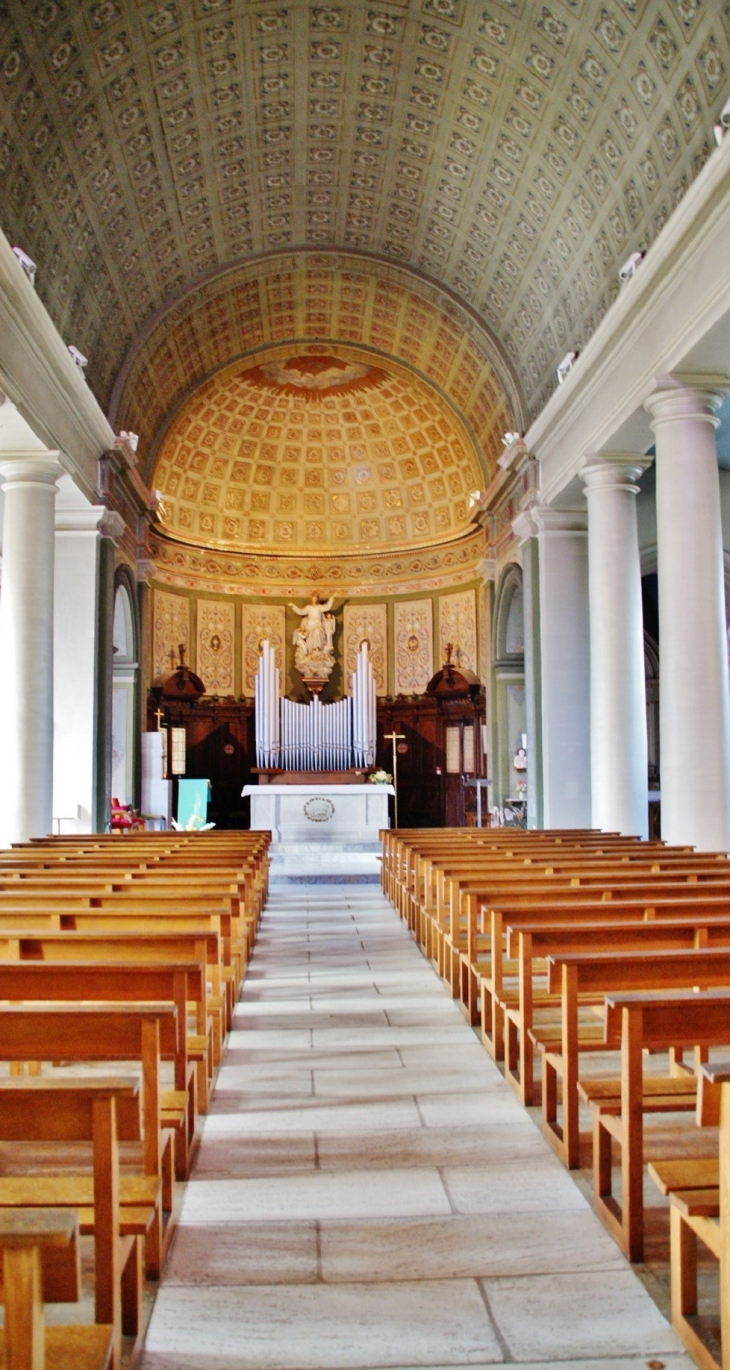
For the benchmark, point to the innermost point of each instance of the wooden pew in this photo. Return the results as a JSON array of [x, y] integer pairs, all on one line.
[[82, 1033], [699, 1196], [95, 1111], [124, 982], [569, 906], [123, 940], [596, 974], [514, 1001], [639, 1021], [26, 1236]]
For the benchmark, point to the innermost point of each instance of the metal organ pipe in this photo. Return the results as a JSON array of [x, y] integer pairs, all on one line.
[[314, 736]]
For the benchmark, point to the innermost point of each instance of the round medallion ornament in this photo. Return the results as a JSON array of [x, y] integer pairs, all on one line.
[[318, 810]]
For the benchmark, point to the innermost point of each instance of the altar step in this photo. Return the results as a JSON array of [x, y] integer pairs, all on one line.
[[329, 862]]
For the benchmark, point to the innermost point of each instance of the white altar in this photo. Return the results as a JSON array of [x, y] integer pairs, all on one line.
[[320, 813]]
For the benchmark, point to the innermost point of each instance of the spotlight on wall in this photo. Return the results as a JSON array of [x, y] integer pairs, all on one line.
[[79, 358], [27, 263], [509, 438], [566, 365], [629, 267], [725, 114], [131, 439]]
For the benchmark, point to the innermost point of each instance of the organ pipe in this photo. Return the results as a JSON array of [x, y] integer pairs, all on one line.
[[314, 736]]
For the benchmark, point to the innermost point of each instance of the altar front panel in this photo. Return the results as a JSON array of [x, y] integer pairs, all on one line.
[[319, 813]]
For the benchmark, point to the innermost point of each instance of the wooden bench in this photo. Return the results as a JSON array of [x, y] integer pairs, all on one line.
[[96, 1111], [26, 1236], [699, 1194], [123, 982], [83, 1033], [637, 1022]]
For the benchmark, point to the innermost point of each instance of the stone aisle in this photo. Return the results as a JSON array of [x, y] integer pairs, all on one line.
[[369, 1192]]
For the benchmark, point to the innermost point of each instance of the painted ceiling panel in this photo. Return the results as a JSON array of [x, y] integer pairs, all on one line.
[[515, 152]]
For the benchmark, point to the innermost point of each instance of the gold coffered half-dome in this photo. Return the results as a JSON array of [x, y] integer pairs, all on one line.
[[314, 450]]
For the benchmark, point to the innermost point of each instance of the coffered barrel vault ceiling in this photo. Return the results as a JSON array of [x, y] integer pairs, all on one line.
[[316, 451], [319, 295], [512, 150]]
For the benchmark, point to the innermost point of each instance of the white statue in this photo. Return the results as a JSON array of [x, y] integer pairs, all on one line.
[[313, 652]]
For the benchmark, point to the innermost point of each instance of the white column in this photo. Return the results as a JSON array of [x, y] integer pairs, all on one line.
[[565, 667], [694, 708], [618, 695], [26, 645], [76, 623]]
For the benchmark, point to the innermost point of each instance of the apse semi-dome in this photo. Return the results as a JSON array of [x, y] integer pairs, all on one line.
[[316, 450]]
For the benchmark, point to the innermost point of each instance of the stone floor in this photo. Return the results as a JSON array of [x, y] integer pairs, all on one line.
[[368, 1191]]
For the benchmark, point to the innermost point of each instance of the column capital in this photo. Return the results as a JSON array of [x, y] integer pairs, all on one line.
[[146, 570], [687, 396], [614, 471], [549, 520], [30, 468], [112, 526], [74, 520], [486, 570], [524, 526]]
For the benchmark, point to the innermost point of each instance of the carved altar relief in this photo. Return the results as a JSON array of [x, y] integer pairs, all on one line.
[[171, 626], [262, 622], [413, 646], [458, 625], [367, 621], [216, 626]]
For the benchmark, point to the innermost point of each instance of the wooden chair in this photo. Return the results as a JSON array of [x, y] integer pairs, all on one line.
[[84, 1110], [637, 1022], [26, 1237], [699, 1196]]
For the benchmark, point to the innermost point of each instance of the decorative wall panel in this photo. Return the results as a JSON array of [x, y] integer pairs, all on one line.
[[367, 621], [262, 621], [458, 625], [215, 636], [413, 623], [171, 626]]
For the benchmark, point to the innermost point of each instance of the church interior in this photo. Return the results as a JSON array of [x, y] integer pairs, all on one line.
[[364, 684]]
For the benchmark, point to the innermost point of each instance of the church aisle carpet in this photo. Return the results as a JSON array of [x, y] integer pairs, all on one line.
[[370, 1193]]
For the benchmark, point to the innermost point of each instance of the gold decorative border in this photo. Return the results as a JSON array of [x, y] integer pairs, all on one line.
[[265, 576]]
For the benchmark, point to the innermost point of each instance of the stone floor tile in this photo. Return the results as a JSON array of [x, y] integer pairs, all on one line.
[[240, 1254], [324, 1327], [513, 1187], [345, 1083], [497, 1105], [263, 1154], [316, 1195], [561, 1317], [456, 1146], [467, 1245], [359, 1118]]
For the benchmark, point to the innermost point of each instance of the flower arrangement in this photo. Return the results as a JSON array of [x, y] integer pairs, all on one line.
[[194, 824], [381, 778]]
